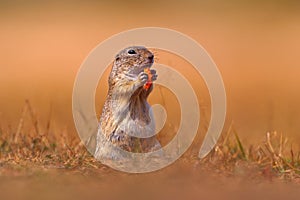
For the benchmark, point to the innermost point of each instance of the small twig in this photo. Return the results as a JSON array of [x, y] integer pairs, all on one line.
[[280, 145], [269, 145], [292, 155], [49, 121]]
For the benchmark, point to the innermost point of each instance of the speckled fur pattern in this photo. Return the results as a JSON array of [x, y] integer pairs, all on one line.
[[126, 109]]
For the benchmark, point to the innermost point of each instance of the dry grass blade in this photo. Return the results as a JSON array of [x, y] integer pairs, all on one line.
[[240, 145], [48, 121], [227, 133], [33, 117], [21, 123]]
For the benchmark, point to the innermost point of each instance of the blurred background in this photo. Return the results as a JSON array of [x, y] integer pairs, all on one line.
[[255, 44]]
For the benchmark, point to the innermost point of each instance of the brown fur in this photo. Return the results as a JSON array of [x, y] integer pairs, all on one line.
[[126, 102]]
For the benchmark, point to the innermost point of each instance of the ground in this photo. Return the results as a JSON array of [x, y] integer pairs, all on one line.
[[39, 166]]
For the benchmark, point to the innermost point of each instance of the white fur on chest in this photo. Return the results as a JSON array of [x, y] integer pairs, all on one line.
[[136, 127]]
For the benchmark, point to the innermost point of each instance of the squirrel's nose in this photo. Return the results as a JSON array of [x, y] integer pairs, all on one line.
[[151, 57]]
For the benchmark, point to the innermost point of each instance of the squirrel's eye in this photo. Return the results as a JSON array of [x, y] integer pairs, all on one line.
[[131, 51]]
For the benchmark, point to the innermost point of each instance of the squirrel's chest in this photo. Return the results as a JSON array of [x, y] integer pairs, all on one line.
[[140, 125]]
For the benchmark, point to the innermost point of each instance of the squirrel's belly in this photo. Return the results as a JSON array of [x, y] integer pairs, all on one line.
[[138, 127], [133, 135]]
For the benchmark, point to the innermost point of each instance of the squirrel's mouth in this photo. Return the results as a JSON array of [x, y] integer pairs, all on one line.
[[148, 65], [135, 71], [145, 65]]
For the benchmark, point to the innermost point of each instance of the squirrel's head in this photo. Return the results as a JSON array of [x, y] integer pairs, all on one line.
[[133, 60]]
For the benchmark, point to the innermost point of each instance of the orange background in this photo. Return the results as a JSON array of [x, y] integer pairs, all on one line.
[[255, 45]]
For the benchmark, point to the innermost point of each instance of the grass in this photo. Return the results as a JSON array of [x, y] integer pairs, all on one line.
[[41, 148], [269, 159], [38, 147]]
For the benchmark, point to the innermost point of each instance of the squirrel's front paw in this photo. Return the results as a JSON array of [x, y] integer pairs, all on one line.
[[153, 75], [143, 77]]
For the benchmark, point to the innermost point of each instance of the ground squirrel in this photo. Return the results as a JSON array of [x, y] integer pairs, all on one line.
[[126, 112]]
